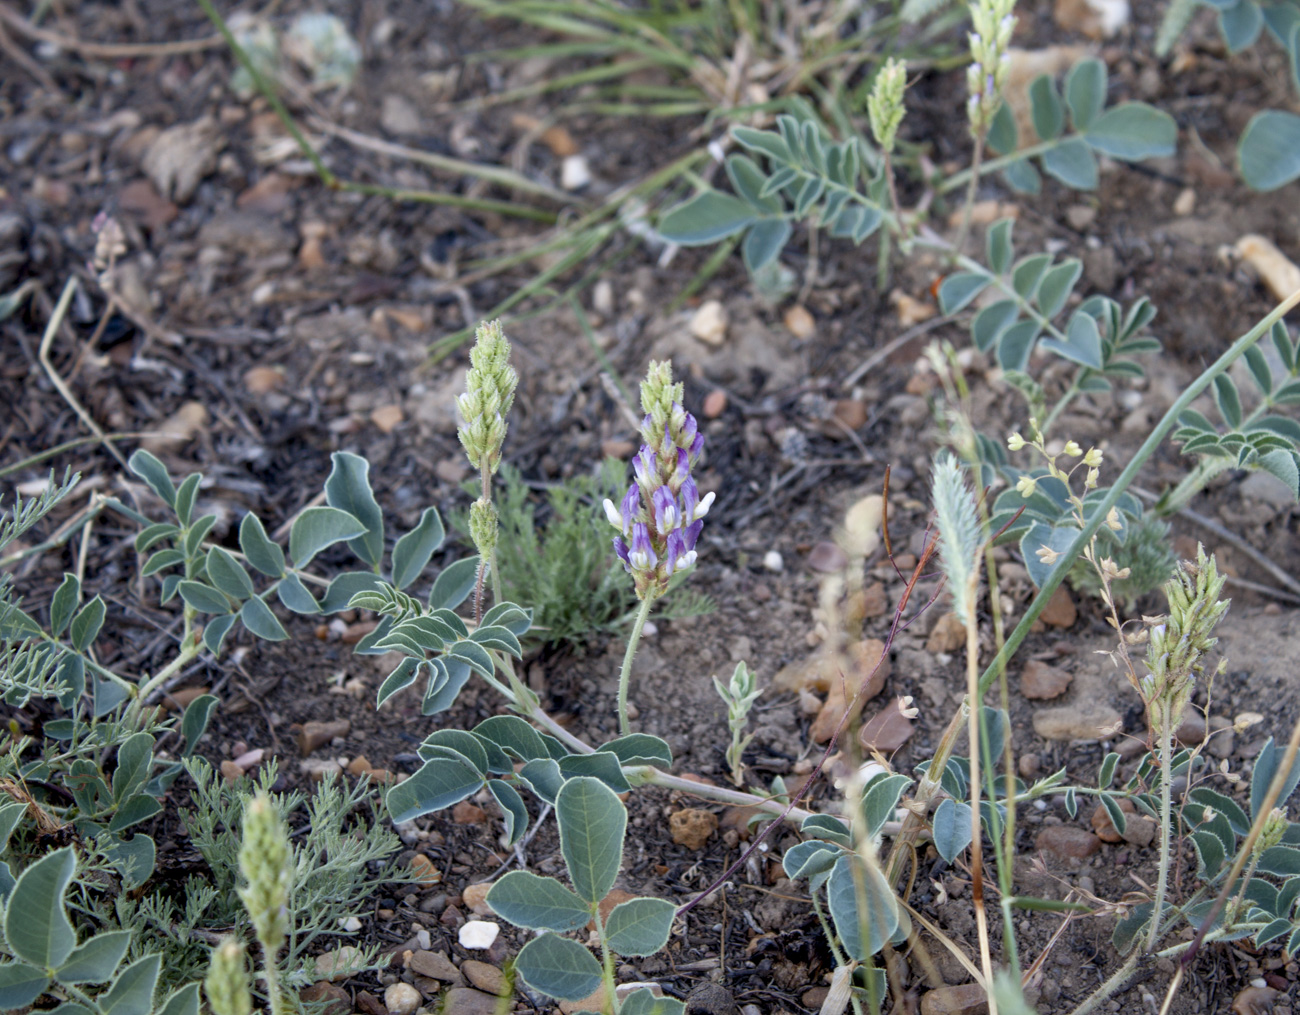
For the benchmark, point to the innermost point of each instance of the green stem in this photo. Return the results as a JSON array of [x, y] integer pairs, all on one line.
[[625, 674], [271, 976], [606, 964], [1166, 833], [1117, 980], [978, 168], [1065, 400], [189, 650], [960, 245]]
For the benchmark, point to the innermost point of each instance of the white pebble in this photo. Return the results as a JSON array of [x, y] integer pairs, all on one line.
[[650, 629], [773, 561], [350, 924], [407, 832], [574, 174], [709, 323], [478, 934], [401, 999]]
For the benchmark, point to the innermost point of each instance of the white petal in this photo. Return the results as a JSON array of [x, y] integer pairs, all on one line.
[[611, 512], [702, 508]]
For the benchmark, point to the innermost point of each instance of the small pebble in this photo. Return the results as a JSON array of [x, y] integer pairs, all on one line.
[[478, 935], [773, 561], [574, 174], [401, 999]]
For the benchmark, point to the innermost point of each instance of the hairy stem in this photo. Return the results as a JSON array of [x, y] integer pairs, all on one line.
[[189, 650], [625, 673], [1117, 980], [1166, 833], [970, 193]]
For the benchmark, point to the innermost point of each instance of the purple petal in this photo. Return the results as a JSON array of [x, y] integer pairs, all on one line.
[[644, 466], [683, 470], [630, 506], [690, 499], [689, 429], [692, 532], [676, 549], [667, 516], [620, 548], [697, 445], [642, 555]]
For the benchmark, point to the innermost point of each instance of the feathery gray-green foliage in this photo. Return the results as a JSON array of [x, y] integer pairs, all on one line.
[[959, 533]]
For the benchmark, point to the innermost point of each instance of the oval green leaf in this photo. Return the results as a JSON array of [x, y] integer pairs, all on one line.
[[537, 903], [592, 821]]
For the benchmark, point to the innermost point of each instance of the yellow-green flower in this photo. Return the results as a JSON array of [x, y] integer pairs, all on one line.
[[1026, 486]]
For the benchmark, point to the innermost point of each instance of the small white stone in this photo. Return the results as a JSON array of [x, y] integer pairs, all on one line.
[[350, 924], [423, 939], [602, 298], [407, 832], [478, 934], [574, 174], [650, 629], [773, 561], [401, 999], [709, 324]]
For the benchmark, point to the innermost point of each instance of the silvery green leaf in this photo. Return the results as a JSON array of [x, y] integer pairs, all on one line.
[[880, 799], [85, 626], [20, 985], [450, 678], [1106, 774], [705, 218], [343, 587], [1028, 273], [991, 321], [514, 618], [1241, 25], [1085, 92], [827, 826], [162, 560], [767, 142], [227, 574], [877, 921], [1055, 288], [197, 533], [592, 821], [265, 555], [36, 928], [749, 182], [154, 473], [542, 775], [641, 749], [96, 959], [454, 584], [133, 760], [10, 815], [1266, 766], [348, 489], [1082, 343], [602, 765], [1003, 136], [952, 828], [138, 808], [1129, 928], [513, 811], [318, 527], [1073, 163], [194, 722], [804, 859], [132, 991], [997, 245], [644, 1002], [215, 631], [1259, 371], [438, 784], [513, 735], [1057, 539], [406, 673], [558, 967], [259, 619], [1133, 132], [764, 243], [63, 603], [295, 595], [463, 742], [1021, 176], [640, 927], [1283, 465], [185, 495], [498, 638], [154, 534], [960, 288], [182, 1001], [412, 552], [1016, 343], [1117, 817], [1045, 108], [537, 903], [1227, 399]]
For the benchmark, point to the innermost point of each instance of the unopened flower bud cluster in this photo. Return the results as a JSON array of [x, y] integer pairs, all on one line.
[[265, 863], [990, 39], [1177, 645], [885, 103], [227, 981], [489, 393], [660, 517]]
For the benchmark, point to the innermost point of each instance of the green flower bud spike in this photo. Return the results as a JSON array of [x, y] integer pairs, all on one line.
[[489, 394], [885, 103], [265, 861], [1275, 826], [227, 981]]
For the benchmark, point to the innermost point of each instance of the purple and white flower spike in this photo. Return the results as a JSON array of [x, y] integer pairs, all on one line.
[[663, 508]]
